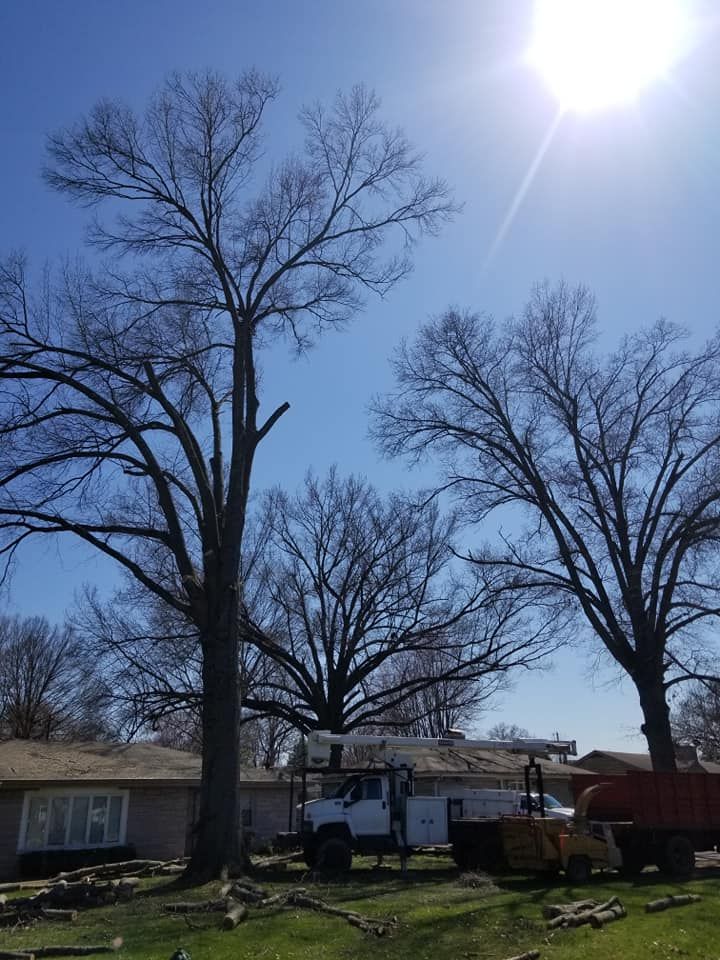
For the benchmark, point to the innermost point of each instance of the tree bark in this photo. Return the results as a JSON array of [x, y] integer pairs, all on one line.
[[219, 849], [656, 726]]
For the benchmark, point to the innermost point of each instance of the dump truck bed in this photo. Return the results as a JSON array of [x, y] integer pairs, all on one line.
[[686, 801]]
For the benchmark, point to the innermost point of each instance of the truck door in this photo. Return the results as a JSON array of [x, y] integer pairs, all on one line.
[[367, 804]]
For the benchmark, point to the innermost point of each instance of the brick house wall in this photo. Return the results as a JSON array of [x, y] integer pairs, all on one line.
[[267, 809], [157, 824], [11, 805]]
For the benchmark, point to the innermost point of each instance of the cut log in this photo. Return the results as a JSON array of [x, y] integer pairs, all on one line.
[[530, 955], [602, 917], [551, 910], [680, 900], [244, 895], [196, 906], [582, 916], [105, 870], [22, 885], [56, 951], [49, 913], [235, 915]]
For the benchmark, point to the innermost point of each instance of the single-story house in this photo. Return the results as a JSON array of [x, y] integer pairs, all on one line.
[[613, 761], [438, 771], [62, 804]]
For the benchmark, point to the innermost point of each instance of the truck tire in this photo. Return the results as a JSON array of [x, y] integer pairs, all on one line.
[[678, 857], [310, 856], [334, 854], [578, 869]]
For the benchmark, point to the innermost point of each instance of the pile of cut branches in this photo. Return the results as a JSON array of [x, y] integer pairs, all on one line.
[[235, 898], [579, 912]]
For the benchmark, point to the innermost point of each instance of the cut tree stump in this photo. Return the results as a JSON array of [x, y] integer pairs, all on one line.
[[681, 900]]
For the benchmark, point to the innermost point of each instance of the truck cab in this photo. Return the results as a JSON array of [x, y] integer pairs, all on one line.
[[357, 812]]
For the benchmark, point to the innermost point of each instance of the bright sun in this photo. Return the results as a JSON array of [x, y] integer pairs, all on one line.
[[599, 53]]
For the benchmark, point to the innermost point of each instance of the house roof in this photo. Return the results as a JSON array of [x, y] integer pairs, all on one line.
[[40, 761], [634, 761], [641, 761], [495, 763]]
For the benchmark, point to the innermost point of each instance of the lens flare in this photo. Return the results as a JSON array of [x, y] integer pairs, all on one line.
[[595, 54]]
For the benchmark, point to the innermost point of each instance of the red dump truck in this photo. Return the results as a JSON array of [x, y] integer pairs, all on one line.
[[657, 818]]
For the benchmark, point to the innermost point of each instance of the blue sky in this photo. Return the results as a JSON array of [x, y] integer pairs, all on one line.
[[626, 201]]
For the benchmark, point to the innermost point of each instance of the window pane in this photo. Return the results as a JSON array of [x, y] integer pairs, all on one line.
[[59, 814], [78, 820], [97, 820], [373, 790], [113, 823], [37, 818]]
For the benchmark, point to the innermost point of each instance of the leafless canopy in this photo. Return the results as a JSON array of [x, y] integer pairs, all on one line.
[[129, 413], [49, 688], [368, 623], [615, 461]]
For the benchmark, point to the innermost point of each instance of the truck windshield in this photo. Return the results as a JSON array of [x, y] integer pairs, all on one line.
[[551, 802], [344, 788]]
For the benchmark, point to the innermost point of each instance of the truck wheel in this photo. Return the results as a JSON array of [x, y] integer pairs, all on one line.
[[334, 854], [679, 857], [310, 856], [578, 869]]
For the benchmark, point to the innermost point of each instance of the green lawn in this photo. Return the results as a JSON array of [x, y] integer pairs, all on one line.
[[439, 919]]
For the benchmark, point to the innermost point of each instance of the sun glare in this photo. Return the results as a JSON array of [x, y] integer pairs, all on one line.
[[596, 54]]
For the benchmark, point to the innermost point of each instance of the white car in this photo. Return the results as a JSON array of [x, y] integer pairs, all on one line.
[[553, 807]]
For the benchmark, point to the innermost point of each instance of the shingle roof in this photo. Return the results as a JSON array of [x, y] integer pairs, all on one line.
[[23, 761], [638, 761], [641, 761], [497, 763]]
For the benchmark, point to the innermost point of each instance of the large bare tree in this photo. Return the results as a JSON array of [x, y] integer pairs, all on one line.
[[367, 615], [696, 720], [130, 413], [49, 687], [614, 462]]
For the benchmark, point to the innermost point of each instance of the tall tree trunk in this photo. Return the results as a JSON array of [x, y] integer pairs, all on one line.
[[336, 755], [219, 848], [656, 726]]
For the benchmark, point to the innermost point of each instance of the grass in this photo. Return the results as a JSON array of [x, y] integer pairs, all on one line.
[[439, 919]]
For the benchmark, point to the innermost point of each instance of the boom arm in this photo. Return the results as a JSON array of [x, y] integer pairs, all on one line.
[[320, 741]]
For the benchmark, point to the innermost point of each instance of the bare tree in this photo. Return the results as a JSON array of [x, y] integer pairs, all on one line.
[[130, 404], [614, 460], [506, 731], [451, 702], [366, 612], [49, 688], [696, 720]]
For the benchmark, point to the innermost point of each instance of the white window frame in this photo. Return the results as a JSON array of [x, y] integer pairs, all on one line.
[[90, 793]]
